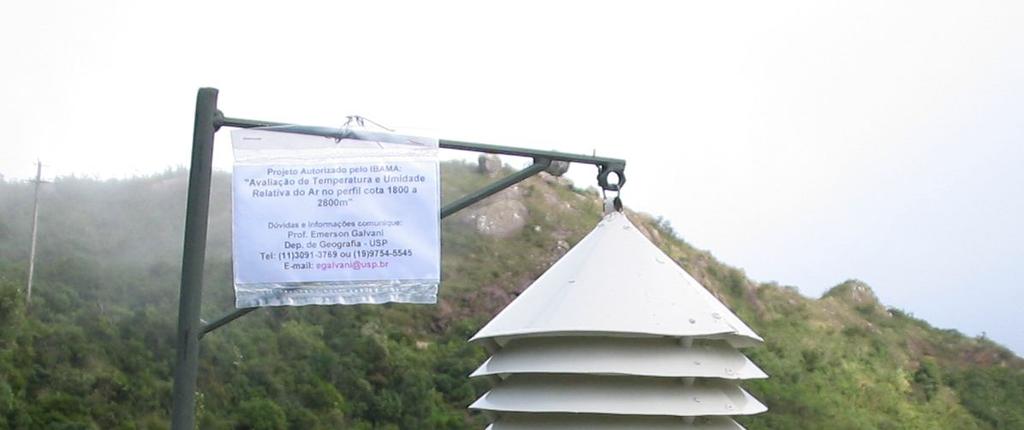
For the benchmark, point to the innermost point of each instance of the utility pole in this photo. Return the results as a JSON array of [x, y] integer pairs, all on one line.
[[35, 229]]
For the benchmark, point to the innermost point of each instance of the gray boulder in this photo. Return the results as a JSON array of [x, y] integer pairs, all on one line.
[[489, 165]]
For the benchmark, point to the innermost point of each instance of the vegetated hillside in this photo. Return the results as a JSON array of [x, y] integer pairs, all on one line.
[[96, 350]]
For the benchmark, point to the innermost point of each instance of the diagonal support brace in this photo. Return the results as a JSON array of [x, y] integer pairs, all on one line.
[[539, 164], [236, 314]]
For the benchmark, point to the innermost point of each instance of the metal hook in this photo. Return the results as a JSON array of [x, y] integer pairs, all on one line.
[[613, 204], [360, 121]]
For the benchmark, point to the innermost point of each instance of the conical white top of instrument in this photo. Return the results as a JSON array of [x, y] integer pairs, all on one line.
[[615, 282]]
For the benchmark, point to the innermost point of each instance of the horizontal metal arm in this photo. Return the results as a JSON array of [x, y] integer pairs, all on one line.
[[533, 153], [606, 166]]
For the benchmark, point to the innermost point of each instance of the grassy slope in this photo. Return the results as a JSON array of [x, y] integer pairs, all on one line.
[[96, 352]]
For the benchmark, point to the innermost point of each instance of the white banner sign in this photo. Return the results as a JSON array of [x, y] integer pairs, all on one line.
[[320, 221]]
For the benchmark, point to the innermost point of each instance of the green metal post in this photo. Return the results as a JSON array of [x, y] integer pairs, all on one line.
[[186, 369]]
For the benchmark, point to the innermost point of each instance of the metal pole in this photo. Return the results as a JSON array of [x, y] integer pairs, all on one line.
[[193, 258], [35, 229]]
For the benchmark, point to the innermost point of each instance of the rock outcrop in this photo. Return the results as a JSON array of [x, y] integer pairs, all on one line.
[[501, 215], [489, 165]]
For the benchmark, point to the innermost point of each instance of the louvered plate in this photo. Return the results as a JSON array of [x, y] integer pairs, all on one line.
[[608, 422], [616, 282], [662, 357], [617, 395]]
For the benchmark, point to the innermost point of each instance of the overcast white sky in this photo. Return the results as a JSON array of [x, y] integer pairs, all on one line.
[[806, 142]]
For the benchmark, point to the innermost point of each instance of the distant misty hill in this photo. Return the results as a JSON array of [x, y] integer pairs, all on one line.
[[96, 350]]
